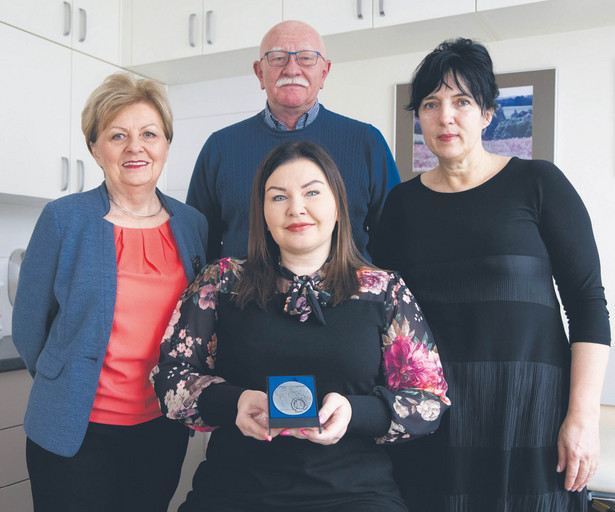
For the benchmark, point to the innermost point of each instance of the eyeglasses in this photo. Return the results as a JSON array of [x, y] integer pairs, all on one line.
[[279, 59]]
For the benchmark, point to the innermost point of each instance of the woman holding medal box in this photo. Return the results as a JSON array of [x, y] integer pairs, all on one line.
[[302, 303]]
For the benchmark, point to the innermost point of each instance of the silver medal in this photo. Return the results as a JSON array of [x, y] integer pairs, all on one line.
[[292, 398]]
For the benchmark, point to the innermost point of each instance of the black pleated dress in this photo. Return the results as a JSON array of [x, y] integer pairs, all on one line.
[[481, 263]]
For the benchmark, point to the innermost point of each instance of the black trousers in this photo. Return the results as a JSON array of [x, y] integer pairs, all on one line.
[[118, 468]]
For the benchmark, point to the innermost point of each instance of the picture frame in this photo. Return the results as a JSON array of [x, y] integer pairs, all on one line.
[[540, 144]]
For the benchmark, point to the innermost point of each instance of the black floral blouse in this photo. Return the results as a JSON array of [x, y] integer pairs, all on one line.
[[409, 376]]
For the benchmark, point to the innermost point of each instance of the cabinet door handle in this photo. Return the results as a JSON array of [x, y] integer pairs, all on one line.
[[80, 175], [68, 15], [359, 10], [381, 7], [208, 37], [191, 30], [65, 173], [83, 25]]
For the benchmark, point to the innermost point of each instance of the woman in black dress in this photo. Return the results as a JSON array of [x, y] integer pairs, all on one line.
[[303, 303], [479, 239]]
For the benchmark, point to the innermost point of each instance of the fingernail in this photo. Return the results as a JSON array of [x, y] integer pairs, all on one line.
[[284, 433], [304, 432], [558, 469], [268, 439]]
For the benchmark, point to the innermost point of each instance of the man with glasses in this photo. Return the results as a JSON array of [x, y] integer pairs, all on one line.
[[292, 69]]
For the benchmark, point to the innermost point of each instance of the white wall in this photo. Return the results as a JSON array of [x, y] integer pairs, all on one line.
[[585, 125]]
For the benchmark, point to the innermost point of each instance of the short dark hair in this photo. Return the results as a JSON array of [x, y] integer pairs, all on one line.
[[258, 281], [470, 65]]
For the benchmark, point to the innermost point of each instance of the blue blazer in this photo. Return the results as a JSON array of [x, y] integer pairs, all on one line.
[[64, 306]]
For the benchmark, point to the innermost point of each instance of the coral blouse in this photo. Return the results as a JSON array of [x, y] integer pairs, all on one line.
[[150, 280]]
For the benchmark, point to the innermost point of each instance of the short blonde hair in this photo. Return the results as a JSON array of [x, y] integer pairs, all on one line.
[[118, 91]]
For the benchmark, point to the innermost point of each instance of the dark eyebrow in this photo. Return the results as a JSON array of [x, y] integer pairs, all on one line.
[[311, 183], [276, 188], [302, 186]]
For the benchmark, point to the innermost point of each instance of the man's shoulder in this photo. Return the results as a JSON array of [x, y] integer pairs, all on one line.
[[334, 117], [230, 139], [241, 126], [348, 123]]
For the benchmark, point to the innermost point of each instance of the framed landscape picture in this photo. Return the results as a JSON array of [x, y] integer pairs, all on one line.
[[523, 124]]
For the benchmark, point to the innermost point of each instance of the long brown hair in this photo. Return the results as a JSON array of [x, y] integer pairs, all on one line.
[[259, 279]]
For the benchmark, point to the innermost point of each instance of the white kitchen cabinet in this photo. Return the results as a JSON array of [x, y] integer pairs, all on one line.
[[96, 28], [195, 27], [35, 106], [90, 26], [51, 19], [165, 30], [395, 12], [45, 153], [331, 17], [238, 24], [485, 5]]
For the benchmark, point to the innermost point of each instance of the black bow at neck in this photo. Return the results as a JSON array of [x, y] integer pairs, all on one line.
[[305, 295]]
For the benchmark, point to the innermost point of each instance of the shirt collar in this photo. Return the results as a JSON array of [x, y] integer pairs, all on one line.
[[304, 120]]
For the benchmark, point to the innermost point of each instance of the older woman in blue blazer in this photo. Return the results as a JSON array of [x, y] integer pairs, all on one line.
[[101, 274]]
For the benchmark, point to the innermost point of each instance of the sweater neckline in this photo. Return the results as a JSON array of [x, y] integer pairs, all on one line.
[[290, 133]]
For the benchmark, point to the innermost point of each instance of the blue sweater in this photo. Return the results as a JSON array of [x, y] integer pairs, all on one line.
[[64, 308], [222, 180]]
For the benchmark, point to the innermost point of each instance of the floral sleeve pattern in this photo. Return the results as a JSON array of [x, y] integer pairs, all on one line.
[[187, 361], [415, 388]]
